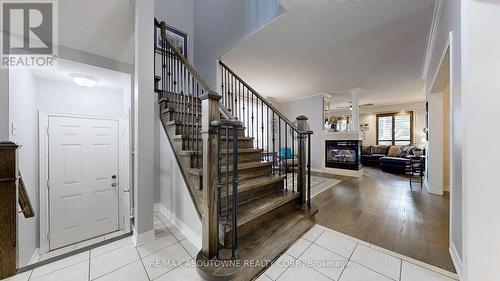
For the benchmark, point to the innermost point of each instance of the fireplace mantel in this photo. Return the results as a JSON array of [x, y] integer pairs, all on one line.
[[343, 135]]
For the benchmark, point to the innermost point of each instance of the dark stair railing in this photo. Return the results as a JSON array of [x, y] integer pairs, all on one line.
[[185, 92], [286, 144]]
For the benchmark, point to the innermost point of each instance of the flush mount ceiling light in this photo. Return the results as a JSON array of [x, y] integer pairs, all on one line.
[[84, 80]]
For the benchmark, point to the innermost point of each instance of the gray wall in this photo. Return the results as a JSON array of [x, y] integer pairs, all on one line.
[[311, 107], [4, 104], [220, 24], [450, 21], [180, 15], [23, 112]]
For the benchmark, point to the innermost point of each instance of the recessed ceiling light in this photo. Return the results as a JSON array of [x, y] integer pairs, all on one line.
[[84, 80]]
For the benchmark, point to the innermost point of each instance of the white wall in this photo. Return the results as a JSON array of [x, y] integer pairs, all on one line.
[[435, 146], [143, 123], [23, 113], [219, 25], [179, 14], [174, 197], [4, 104], [369, 116], [68, 98], [450, 21], [109, 33], [481, 67], [29, 95], [311, 107]]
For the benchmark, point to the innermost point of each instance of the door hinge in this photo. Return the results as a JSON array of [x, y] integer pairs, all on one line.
[[48, 184], [48, 235], [48, 131]]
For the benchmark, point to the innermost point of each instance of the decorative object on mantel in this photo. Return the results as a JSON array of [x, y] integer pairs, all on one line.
[[364, 127], [178, 38]]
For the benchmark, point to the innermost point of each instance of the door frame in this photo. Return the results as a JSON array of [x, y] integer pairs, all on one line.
[[43, 159]]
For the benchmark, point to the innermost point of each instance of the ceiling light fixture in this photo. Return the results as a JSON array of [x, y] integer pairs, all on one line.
[[84, 80]]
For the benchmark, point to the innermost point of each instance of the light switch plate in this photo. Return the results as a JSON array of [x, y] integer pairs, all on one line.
[[14, 129]]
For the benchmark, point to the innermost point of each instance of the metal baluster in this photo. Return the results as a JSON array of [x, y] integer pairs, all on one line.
[[293, 160], [257, 121], [197, 122], [239, 100], [286, 157], [226, 94], [163, 68], [218, 185], [248, 112], [279, 145], [183, 104], [222, 88], [193, 127], [227, 173], [235, 192], [267, 133], [274, 145], [262, 127], [252, 115], [309, 170]]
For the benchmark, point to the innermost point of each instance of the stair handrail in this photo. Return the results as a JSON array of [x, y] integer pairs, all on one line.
[[243, 102], [163, 29], [262, 99]]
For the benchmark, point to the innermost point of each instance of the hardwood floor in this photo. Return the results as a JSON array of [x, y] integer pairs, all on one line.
[[380, 208]]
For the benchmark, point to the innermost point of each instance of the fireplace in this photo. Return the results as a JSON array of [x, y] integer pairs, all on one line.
[[343, 154]]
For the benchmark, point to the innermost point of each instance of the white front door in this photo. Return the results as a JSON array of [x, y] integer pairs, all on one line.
[[83, 179]]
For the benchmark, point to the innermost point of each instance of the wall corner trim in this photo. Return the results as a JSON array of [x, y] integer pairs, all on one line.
[[191, 235], [457, 262], [141, 238], [438, 8]]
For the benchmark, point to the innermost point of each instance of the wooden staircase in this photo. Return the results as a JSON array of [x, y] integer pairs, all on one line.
[[270, 216]]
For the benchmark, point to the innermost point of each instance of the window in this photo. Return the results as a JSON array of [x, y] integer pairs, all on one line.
[[395, 128]]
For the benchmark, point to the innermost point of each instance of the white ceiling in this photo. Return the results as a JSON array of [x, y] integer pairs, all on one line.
[[331, 46], [101, 27], [107, 79]]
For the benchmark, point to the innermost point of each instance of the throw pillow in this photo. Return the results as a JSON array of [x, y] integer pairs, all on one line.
[[403, 149], [394, 151], [366, 149], [379, 149]]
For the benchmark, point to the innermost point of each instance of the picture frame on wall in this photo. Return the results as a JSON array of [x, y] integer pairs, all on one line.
[[175, 36]]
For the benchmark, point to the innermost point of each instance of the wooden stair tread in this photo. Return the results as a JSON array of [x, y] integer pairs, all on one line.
[[177, 137], [241, 166], [268, 243], [250, 184], [224, 151], [254, 209]]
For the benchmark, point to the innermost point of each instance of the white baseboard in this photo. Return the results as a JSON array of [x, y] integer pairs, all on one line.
[[142, 238], [34, 258], [157, 207], [192, 235], [457, 262]]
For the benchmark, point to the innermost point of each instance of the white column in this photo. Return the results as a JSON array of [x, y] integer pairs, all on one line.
[[144, 121], [4, 104], [355, 109]]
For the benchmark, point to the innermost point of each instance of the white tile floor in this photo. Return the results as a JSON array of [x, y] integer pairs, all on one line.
[[321, 254]]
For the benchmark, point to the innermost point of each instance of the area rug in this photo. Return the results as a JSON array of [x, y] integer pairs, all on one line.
[[318, 184]]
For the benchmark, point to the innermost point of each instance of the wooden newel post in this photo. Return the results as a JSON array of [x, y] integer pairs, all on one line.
[[304, 132], [8, 210], [210, 112]]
